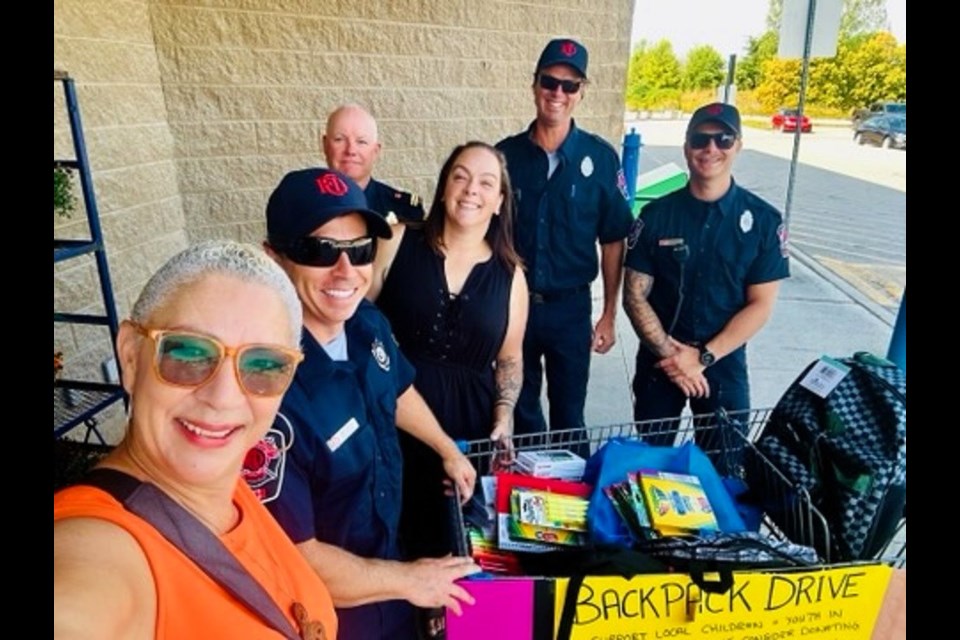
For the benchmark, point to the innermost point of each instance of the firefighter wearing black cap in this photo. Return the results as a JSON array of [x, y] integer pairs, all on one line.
[[702, 272], [570, 195], [335, 488]]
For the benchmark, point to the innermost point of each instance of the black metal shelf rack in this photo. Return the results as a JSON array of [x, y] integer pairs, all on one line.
[[77, 402]]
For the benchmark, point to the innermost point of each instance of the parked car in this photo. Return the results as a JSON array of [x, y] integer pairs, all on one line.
[[888, 131], [878, 109], [786, 120]]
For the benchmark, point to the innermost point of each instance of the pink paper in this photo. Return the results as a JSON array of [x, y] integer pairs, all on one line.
[[504, 606]]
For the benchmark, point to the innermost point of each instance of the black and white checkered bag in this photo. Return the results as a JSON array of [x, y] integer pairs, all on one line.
[[848, 451]]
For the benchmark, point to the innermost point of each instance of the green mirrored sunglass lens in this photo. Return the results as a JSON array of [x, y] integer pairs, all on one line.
[[187, 359]]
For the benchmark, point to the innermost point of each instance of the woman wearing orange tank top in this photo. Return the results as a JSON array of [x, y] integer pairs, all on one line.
[[209, 349]]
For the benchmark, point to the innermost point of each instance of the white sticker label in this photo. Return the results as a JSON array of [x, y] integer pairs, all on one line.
[[824, 376], [343, 434], [489, 484]]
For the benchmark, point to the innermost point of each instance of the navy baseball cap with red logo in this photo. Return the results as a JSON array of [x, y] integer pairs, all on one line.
[[725, 114], [309, 198], [564, 51]]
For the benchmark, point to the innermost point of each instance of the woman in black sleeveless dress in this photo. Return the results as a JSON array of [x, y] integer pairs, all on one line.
[[457, 300]]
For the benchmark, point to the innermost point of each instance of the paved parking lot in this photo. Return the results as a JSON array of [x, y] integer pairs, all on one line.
[[828, 147]]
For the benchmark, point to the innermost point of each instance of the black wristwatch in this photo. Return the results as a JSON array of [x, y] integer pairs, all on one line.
[[706, 357]]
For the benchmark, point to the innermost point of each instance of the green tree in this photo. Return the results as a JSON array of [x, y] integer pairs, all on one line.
[[863, 16], [874, 67], [826, 86], [704, 68], [774, 13], [867, 67], [759, 50], [856, 16], [653, 77], [869, 64], [781, 83]]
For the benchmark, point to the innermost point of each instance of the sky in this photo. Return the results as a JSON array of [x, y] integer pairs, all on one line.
[[724, 25]]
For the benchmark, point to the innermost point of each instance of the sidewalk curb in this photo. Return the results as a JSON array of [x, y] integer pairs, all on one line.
[[884, 315]]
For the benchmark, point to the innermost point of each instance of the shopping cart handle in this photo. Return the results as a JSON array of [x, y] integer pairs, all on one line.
[[462, 445]]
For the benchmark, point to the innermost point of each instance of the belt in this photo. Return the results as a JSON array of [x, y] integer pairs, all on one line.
[[540, 297]]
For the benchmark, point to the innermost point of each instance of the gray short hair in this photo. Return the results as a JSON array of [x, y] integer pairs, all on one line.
[[243, 261]]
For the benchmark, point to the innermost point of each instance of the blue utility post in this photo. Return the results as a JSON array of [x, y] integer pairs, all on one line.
[[898, 342], [631, 161]]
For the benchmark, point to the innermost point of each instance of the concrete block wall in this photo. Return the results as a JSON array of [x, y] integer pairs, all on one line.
[[193, 109], [248, 85], [107, 48]]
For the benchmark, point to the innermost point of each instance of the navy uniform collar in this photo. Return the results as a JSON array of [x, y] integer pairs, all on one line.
[[569, 143], [319, 364], [726, 203]]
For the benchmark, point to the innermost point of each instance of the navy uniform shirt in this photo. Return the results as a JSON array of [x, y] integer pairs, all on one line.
[[713, 250], [340, 481], [384, 199], [560, 220]]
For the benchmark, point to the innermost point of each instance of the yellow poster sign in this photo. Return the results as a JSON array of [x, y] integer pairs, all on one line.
[[838, 603]]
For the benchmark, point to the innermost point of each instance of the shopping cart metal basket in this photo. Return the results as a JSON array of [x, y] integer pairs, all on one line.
[[727, 438]]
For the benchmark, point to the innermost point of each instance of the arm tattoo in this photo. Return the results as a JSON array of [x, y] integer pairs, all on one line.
[[509, 378], [636, 288]]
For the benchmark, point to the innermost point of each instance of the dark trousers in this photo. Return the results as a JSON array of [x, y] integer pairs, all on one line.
[[658, 403], [557, 341]]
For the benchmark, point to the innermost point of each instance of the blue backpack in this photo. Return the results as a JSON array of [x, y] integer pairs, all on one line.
[[618, 456]]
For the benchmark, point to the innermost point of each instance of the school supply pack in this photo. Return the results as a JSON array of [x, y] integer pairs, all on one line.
[[619, 457]]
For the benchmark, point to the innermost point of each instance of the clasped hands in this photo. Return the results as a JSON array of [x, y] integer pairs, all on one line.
[[683, 368]]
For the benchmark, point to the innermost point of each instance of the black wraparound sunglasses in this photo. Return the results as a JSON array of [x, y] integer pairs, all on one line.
[[313, 251]]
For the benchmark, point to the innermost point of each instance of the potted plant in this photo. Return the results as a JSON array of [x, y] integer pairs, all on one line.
[[64, 200], [64, 203], [57, 364]]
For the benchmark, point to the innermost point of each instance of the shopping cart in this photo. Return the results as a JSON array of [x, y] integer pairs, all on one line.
[[727, 439]]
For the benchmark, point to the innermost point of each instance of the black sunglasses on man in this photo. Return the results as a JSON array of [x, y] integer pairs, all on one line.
[[723, 140], [550, 83]]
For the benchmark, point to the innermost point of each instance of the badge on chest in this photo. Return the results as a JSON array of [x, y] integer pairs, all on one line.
[[380, 355]]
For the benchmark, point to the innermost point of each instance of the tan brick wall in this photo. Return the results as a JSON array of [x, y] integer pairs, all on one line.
[[193, 109], [248, 85], [107, 48]]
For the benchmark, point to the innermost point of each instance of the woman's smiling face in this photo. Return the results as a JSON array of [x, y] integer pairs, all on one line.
[[199, 435]]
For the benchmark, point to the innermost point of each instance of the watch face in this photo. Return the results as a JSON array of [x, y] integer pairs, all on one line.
[[707, 358]]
